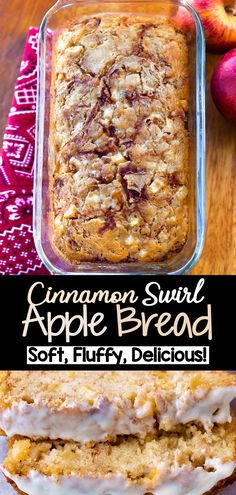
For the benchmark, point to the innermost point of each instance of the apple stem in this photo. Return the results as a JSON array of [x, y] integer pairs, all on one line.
[[230, 9]]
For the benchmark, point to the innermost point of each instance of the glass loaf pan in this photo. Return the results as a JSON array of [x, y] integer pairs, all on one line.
[[53, 21]]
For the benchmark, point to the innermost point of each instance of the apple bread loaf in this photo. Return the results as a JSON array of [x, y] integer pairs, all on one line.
[[98, 406], [189, 462], [119, 141]]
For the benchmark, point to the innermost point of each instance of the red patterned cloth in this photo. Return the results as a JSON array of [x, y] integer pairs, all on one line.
[[17, 250]]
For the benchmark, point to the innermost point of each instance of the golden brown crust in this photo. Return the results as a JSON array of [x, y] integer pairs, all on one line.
[[120, 138], [15, 488], [222, 484]]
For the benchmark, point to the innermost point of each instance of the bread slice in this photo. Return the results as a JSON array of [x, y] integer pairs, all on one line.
[[98, 406], [190, 462]]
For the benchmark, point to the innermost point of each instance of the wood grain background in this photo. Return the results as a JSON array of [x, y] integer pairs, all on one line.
[[219, 254]]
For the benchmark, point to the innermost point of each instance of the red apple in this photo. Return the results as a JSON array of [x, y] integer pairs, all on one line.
[[218, 19], [223, 85]]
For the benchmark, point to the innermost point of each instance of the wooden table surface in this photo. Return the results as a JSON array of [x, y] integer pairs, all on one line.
[[219, 254]]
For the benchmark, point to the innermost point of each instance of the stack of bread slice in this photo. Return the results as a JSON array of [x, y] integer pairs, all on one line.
[[114, 432]]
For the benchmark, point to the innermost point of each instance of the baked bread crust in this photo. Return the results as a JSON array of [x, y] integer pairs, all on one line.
[[119, 167], [13, 485], [223, 484]]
